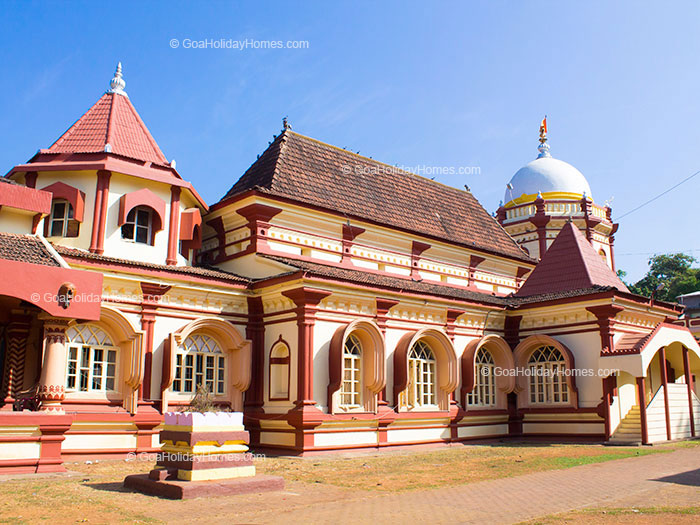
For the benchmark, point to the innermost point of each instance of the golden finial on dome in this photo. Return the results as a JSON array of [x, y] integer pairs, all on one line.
[[543, 130]]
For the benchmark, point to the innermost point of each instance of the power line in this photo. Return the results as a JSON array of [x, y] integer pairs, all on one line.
[[659, 195], [657, 252]]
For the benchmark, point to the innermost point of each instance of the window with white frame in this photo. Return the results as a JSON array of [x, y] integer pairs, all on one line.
[[421, 376], [547, 377], [92, 359], [200, 361], [351, 390], [484, 392], [61, 222], [139, 225]]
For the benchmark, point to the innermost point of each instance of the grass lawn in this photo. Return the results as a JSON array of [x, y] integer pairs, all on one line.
[[94, 493]]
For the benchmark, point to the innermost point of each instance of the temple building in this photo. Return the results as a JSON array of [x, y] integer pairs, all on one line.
[[338, 302]]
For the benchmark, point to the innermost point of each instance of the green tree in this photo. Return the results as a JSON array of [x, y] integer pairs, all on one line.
[[675, 271]]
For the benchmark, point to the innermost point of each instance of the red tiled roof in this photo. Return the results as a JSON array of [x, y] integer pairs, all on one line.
[[183, 270], [306, 170], [570, 263], [111, 120], [25, 248], [632, 343]]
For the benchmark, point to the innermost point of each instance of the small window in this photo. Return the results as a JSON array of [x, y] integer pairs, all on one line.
[[484, 393], [92, 360], [351, 390], [421, 376], [200, 361], [547, 377], [279, 372], [138, 226], [61, 221]]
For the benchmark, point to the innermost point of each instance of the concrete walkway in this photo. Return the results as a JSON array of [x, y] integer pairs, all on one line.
[[509, 500]]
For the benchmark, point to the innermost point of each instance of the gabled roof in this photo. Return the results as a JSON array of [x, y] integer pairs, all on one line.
[[111, 120], [570, 263], [312, 172]]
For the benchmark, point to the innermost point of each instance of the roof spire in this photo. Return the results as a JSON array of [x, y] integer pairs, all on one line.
[[117, 84], [543, 148], [285, 124]]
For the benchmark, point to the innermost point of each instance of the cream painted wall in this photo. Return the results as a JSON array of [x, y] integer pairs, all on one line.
[[16, 221], [586, 350]]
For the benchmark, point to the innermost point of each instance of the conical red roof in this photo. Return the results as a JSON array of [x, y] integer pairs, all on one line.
[[111, 120], [570, 263]]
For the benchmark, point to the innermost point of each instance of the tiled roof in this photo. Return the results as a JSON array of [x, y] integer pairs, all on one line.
[[632, 343], [25, 248], [384, 281], [556, 296], [111, 120], [570, 263], [312, 172], [182, 270]]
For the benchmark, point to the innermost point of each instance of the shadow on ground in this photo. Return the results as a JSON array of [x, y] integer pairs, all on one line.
[[690, 478]]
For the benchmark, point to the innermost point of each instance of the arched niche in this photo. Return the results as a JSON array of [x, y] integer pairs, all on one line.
[[503, 360], [373, 363], [238, 352], [446, 361], [522, 354]]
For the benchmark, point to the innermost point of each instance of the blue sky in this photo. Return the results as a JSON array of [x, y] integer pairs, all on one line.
[[409, 83]]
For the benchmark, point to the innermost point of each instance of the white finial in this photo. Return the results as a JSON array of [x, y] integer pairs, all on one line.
[[108, 148], [539, 195], [173, 164], [117, 84], [584, 195], [543, 148]]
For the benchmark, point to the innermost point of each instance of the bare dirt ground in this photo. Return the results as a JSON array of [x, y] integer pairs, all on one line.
[[93, 493]]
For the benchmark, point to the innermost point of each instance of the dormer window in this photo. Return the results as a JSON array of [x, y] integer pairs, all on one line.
[[61, 222], [139, 225]]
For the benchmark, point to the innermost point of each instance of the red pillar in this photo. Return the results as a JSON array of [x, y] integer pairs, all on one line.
[[305, 416], [641, 393], [151, 297], [689, 382], [174, 224], [99, 216], [664, 382]]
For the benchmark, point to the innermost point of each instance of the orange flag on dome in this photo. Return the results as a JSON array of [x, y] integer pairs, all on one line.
[[543, 125]]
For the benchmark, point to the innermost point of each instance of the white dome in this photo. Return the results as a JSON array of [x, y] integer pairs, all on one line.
[[547, 174]]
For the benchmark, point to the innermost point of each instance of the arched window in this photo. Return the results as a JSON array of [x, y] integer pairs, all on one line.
[[139, 225], [484, 392], [547, 377], [421, 376], [351, 389], [92, 359], [279, 372], [200, 361], [61, 222]]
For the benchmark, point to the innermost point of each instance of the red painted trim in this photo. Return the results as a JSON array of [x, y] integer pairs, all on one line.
[[689, 383], [39, 285], [306, 300], [74, 196], [151, 298], [255, 333], [641, 394], [99, 218], [174, 224], [25, 198], [109, 162], [190, 230], [143, 197]]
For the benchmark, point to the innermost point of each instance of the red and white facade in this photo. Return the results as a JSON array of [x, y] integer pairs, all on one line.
[[337, 302]]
